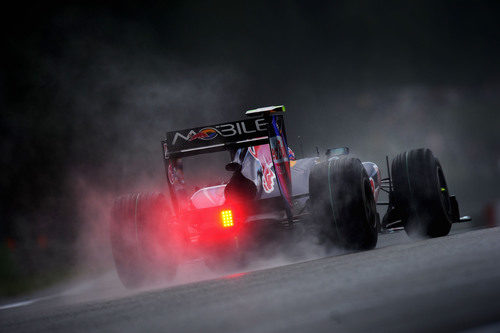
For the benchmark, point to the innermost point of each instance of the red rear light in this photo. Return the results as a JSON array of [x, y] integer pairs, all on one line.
[[227, 218]]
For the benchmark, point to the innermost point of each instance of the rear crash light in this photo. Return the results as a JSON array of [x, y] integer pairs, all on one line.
[[227, 218]]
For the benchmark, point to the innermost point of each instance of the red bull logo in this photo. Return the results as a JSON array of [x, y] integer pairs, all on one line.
[[268, 177], [262, 154], [204, 134]]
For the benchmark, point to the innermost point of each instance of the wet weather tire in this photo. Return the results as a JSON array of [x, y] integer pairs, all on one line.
[[342, 203], [143, 241], [421, 194]]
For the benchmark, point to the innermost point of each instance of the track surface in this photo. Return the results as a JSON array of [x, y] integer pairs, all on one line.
[[446, 284]]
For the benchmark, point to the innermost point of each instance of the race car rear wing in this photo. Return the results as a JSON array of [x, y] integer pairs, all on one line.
[[207, 139], [266, 126], [237, 134]]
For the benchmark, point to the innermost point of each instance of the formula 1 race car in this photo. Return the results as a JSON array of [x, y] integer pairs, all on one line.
[[268, 192]]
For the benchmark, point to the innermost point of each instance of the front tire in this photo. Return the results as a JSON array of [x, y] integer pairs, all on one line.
[[421, 194], [342, 203]]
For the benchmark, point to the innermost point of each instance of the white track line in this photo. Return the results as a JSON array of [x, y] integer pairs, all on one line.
[[24, 303]]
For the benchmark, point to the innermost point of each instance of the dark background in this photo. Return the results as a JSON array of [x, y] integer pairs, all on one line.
[[88, 91]]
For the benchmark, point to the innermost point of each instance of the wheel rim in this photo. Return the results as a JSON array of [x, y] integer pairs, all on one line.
[[444, 195], [370, 204]]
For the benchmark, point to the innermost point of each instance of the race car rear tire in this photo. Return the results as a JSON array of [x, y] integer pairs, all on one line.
[[421, 194], [342, 203], [144, 243]]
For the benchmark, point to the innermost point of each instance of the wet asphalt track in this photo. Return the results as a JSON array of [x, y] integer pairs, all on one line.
[[445, 284]]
